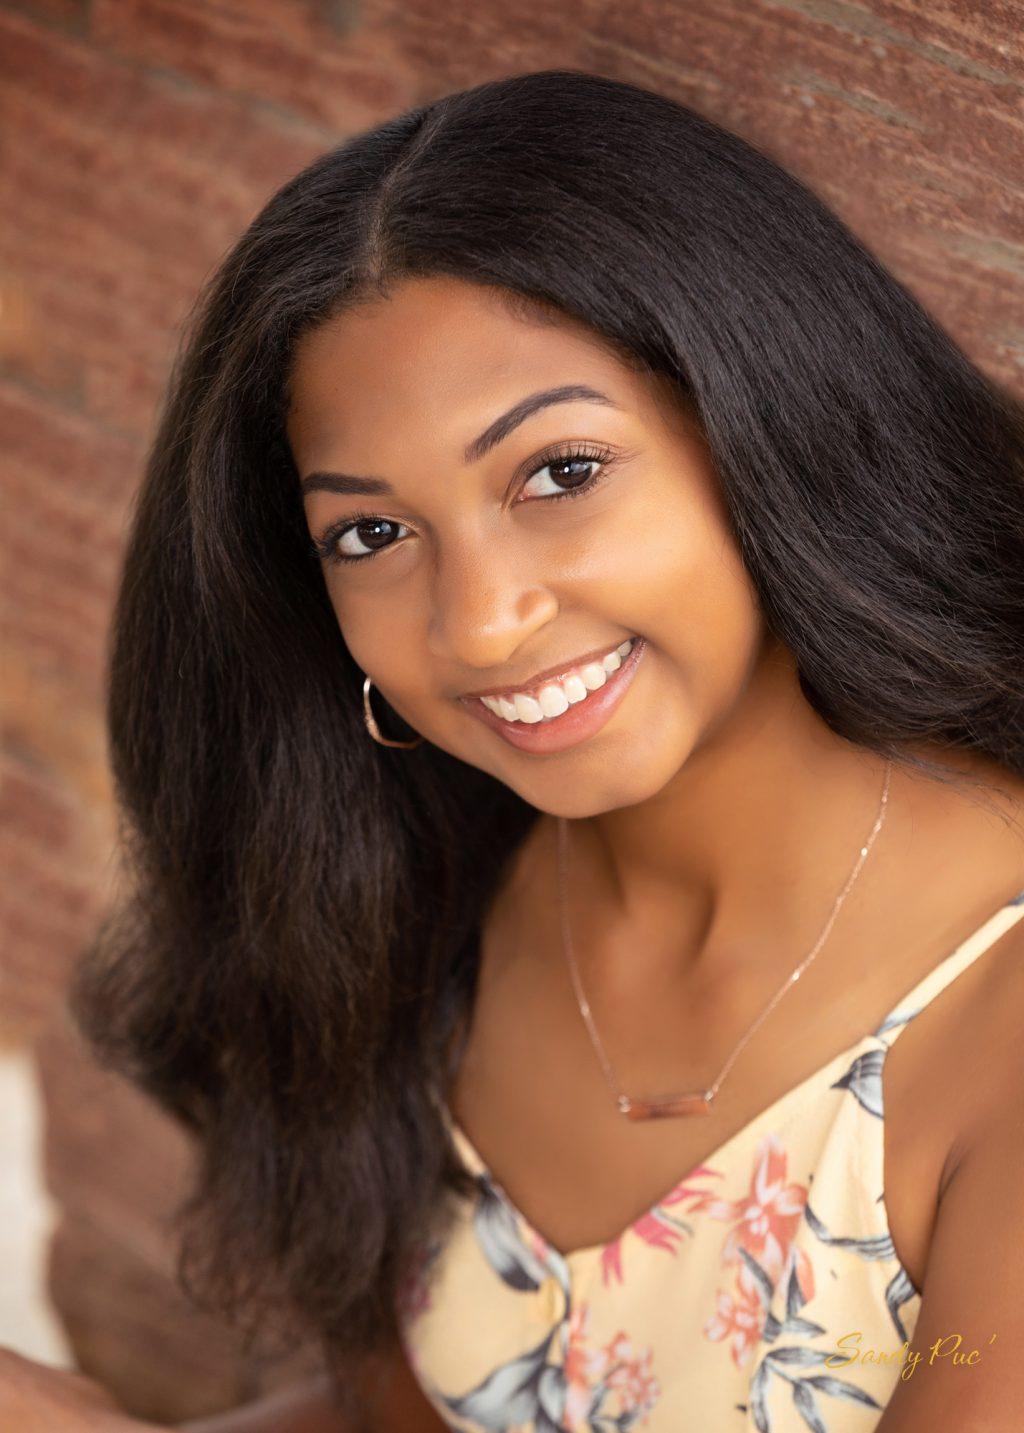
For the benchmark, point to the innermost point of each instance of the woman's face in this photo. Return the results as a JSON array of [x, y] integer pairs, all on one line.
[[471, 573]]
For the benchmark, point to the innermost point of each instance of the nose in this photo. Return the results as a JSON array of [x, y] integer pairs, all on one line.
[[485, 605]]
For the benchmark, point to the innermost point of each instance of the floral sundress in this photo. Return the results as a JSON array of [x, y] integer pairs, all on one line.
[[762, 1292]]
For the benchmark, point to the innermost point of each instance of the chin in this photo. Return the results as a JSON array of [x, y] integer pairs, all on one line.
[[612, 785]]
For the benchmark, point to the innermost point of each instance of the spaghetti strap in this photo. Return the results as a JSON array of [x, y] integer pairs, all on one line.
[[954, 964]]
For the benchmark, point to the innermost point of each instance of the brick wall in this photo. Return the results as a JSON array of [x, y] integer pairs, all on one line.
[[142, 136]]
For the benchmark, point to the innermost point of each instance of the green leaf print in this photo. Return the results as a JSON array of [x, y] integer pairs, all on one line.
[[497, 1233], [519, 1391], [778, 1362], [864, 1081], [807, 1407], [899, 1291], [839, 1388]]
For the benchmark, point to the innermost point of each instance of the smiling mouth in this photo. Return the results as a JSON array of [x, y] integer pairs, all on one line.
[[550, 699], [579, 722]]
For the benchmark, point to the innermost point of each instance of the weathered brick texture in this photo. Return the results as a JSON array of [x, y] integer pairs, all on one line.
[[141, 137]]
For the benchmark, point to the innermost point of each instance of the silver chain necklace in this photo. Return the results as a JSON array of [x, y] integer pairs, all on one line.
[[692, 1102]]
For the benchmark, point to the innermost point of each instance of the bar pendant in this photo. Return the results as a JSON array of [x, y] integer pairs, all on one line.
[[696, 1102]]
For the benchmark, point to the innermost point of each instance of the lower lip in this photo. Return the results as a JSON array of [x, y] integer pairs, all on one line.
[[580, 721]]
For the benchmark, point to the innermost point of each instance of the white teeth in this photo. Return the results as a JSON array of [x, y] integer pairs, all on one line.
[[574, 688], [556, 697], [553, 701], [594, 676], [527, 709]]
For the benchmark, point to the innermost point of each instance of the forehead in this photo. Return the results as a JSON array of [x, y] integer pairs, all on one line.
[[440, 351]]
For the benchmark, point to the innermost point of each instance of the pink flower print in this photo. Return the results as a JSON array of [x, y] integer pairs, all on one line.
[[611, 1261], [698, 1199], [658, 1232], [606, 1382], [767, 1218], [582, 1367], [651, 1230], [738, 1317], [631, 1379], [764, 1223]]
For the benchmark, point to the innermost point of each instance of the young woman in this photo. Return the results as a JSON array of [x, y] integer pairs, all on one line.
[[566, 702]]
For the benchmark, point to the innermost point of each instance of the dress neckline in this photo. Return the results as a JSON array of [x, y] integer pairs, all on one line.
[[933, 981]]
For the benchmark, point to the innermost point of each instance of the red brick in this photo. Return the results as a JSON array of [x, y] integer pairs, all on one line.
[[288, 55]]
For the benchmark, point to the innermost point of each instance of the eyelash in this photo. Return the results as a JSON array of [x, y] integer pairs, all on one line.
[[325, 547]]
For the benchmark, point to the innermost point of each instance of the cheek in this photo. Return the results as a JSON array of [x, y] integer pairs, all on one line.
[[676, 575], [716, 595], [374, 639], [699, 609]]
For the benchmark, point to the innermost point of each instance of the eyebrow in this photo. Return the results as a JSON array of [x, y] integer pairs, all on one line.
[[493, 434]]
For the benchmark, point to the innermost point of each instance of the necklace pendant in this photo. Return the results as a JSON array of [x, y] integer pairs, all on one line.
[[695, 1102]]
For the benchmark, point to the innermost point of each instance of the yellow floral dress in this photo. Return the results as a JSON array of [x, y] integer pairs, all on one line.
[[748, 1297]]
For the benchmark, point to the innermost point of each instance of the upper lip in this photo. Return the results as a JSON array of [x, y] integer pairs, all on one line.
[[550, 674]]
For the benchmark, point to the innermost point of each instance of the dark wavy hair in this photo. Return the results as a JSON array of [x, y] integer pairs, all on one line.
[[298, 936]]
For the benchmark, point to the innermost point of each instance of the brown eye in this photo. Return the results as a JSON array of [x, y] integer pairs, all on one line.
[[375, 533], [572, 471]]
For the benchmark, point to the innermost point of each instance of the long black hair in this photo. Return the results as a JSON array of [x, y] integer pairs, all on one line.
[[298, 939]]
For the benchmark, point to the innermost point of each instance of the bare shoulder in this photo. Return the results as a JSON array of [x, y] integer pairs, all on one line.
[[985, 1045], [971, 1320], [951, 1073], [968, 1060]]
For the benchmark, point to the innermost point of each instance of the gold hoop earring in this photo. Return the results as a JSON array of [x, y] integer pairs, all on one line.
[[374, 729]]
